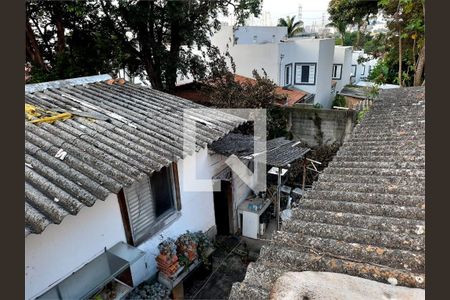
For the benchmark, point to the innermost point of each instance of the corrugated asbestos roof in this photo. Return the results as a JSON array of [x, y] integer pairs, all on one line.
[[365, 216], [279, 151], [140, 131]]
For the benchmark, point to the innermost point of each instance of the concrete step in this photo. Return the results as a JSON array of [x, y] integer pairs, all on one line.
[[370, 188], [369, 198], [302, 260], [394, 258], [362, 220], [375, 171], [357, 235]]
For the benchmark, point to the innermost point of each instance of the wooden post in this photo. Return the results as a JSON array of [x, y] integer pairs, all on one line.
[[178, 291], [304, 174], [278, 198]]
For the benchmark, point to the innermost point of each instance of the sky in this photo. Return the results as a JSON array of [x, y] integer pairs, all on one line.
[[312, 9]]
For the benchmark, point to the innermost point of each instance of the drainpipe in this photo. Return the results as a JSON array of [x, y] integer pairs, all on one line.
[[279, 73]]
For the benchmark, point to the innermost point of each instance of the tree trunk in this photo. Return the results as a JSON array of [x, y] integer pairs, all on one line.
[[61, 43], [33, 47], [419, 67], [171, 70]]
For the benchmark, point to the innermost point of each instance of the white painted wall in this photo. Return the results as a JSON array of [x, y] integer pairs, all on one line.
[[355, 55], [257, 56], [319, 51], [62, 249], [264, 34], [323, 94], [197, 211], [343, 55]]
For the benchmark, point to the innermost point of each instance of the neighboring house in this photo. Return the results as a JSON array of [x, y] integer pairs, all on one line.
[[304, 63], [364, 217], [290, 95], [342, 66], [106, 184]]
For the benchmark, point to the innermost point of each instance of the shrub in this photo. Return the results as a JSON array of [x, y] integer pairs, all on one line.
[[339, 100]]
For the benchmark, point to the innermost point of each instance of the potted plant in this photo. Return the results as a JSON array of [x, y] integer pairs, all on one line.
[[204, 247], [167, 259], [187, 247]]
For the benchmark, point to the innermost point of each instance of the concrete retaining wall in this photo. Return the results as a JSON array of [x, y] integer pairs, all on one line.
[[320, 126]]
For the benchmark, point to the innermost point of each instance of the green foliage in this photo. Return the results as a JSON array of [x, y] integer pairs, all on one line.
[[404, 18], [340, 101], [361, 115], [227, 92], [372, 92], [155, 39], [293, 27], [318, 106]]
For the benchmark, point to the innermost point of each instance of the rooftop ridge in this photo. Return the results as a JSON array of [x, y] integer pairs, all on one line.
[[36, 87]]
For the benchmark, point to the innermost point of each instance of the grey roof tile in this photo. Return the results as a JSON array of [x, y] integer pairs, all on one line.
[[365, 216], [132, 131]]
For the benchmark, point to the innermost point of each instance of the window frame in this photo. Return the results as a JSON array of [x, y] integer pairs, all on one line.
[[162, 221], [290, 73], [364, 69], [340, 73], [303, 64], [353, 74]]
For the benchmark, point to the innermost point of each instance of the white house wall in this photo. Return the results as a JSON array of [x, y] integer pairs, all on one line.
[[323, 94], [260, 34], [62, 249], [318, 51], [257, 57], [197, 211], [359, 67], [343, 56]]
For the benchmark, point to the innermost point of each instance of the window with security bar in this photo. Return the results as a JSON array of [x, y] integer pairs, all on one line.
[[336, 72], [305, 73], [151, 204]]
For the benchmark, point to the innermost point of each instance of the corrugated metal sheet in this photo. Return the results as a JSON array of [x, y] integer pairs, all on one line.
[[279, 151], [140, 131]]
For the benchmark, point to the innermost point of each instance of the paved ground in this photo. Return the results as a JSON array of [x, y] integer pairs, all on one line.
[[227, 268]]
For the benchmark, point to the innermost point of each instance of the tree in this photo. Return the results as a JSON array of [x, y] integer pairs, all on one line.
[[64, 40], [406, 24], [352, 12], [293, 27], [159, 39], [341, 27]]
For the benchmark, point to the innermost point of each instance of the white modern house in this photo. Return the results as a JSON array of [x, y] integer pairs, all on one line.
[[361, 70], [342, 66], [101, 195], [303, 63]]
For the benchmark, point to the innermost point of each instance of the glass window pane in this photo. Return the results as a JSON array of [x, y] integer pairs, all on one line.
[[162, 191], [305, 73]]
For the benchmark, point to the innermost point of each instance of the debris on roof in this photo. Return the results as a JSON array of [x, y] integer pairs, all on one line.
[[365, 216], [117, 134]]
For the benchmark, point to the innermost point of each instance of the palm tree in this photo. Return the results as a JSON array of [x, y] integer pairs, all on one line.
[[293, 28]]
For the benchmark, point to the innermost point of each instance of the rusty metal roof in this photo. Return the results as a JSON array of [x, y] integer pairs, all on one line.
[[118, 133], [365, 216]]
